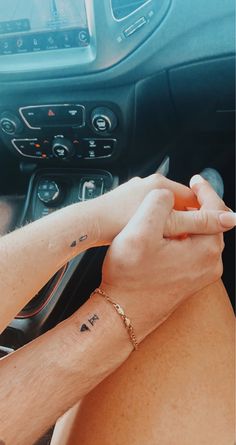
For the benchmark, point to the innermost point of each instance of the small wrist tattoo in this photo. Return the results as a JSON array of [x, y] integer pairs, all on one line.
[[87, 326], [74, 244], [83, 328], [93, 320]]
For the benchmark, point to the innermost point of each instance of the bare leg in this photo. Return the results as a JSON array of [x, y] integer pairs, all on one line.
[[176, 390]]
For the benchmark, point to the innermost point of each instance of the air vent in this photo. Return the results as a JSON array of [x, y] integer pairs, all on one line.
[[123, 8]]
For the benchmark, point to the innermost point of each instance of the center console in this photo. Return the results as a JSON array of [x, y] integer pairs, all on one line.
[[75, 131]]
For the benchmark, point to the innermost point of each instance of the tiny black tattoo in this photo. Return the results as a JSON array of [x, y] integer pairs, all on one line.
[[93, 319], [74, 244], [83, 328], [83, 238]]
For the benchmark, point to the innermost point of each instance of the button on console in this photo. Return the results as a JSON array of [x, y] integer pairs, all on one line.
[[104, 120], [37, 117], [98, 148], [91, 188], [31, 148], [135, 27], [32, 116], [63, 148], [48, 192], [10, 124]]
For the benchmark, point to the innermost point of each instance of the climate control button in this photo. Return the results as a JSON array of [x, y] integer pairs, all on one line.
[[63, 148], [98, 148], [32, 148], [104, 120]]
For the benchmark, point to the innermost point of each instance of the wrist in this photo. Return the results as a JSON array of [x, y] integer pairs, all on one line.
[[141, 321], [107, 226], [86, 215], [106, 340]]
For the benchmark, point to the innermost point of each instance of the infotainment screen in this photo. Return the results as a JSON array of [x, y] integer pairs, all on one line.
[[39, 25]]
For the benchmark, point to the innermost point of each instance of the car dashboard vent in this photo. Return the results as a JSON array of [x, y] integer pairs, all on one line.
[[123, 8]]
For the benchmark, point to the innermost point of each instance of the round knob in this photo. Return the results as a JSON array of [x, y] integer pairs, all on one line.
[[104, 120], [63, 148], [10, 124], [49, 192]]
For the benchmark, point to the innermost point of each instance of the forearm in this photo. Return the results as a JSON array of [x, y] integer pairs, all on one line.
[[62, 366], [30, 256]]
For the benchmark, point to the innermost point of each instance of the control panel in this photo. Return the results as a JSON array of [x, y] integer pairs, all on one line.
[[59, 147], [55, 189], [64, 132], [39, 116]]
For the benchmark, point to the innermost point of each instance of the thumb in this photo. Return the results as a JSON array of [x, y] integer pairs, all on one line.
[[205, 194], [202, 222]]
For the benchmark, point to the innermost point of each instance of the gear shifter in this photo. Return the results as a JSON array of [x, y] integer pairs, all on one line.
[[215, 179]]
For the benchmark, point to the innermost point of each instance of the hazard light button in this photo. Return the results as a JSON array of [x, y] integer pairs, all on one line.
[[37, 117]]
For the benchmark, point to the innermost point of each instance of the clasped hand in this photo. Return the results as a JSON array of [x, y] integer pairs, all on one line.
[[148, 269]]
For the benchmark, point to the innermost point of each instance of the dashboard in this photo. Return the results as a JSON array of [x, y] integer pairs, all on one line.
[[77, 38], [72, 73], [90, 33]]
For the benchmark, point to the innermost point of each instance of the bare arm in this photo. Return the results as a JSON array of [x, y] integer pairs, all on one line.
[[43, 379], [30, 256]]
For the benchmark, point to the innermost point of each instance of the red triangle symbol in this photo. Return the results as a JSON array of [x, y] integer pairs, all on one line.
[[51, 113]]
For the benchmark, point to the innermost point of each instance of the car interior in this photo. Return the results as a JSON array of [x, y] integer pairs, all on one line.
[[95, 92]]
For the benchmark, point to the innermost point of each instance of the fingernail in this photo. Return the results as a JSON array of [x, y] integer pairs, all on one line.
[[196, 179], [228, 219]]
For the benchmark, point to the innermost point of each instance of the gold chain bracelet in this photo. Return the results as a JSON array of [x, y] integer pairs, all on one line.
[[121, 312]]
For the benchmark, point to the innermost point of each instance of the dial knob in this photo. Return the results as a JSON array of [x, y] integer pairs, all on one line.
[[104, 120], [49, 192], [62, 148], [10, 124]]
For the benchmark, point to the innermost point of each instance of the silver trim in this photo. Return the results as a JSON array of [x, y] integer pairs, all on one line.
[[84, 188], [13, 141], [52, 105], [135, 27], [106, 118], [82, 197], [58, 144], [129, 15], [55, 196]]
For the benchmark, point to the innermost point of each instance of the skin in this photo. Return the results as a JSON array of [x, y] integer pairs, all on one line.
[[60, 236], [86, 359], [56, 239], [179, 386]]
